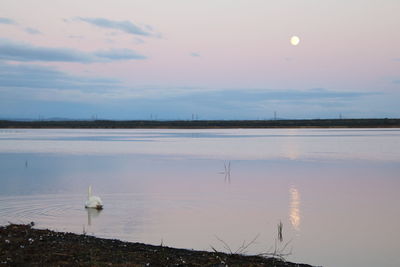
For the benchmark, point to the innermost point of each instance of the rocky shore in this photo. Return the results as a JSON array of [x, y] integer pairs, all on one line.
[[23, 245]]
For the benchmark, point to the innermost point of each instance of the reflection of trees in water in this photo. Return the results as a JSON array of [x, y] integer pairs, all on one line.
[[294, 213]]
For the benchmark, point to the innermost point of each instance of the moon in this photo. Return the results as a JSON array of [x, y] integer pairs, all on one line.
[[295, 40]]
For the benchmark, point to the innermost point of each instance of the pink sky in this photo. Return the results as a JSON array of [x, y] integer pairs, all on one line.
[[346, 46]]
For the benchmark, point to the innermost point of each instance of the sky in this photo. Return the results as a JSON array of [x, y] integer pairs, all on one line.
[[201, 59]]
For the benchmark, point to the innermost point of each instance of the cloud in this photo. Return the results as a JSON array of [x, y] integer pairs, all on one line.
[[138, 41], [119, 54], [253, 103], [265, 95], [24, 52], [396, 81], [32, 30], [13, 76], [27, 89], [124, 26], [194, 54], [396, 59], [80, 37], [6, 21], [36, 78], [12, 22]]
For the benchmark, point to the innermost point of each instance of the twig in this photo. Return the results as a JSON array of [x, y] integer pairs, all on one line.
[[278, 252], [280, 228], [241, 249], [216, 251], [226, 246]]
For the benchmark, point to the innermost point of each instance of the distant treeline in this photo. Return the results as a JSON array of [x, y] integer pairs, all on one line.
[[203, 124]]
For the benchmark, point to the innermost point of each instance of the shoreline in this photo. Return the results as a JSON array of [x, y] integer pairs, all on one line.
[[200, 124], [22, 245]]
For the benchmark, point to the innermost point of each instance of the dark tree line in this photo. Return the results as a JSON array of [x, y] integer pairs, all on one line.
[[180, 124]]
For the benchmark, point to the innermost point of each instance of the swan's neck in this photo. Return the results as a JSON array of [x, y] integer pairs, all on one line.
[[90, 191]]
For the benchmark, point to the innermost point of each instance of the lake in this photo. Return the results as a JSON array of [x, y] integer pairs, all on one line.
[[336, 191]]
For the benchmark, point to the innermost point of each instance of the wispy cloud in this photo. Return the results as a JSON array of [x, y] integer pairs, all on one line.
[[119, 54], [17, 51], [32, 30], [124, 26], [194, 54], [6, 21], [42, 77], [138, 41], [80, 37], [36, 78], [259, 99], [9, 21], [40, 86]]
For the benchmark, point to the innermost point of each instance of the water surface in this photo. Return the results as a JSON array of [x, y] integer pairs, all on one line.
[[335, 191]]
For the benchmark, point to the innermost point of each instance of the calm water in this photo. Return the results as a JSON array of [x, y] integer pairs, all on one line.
[[335, 191]]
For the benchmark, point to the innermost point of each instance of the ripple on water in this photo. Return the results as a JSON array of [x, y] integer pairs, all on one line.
[[44, 209]]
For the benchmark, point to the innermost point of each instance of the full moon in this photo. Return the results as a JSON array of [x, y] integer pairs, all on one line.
[[295, 40]]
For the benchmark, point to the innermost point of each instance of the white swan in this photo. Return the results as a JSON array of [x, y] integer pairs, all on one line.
[[93, 202]]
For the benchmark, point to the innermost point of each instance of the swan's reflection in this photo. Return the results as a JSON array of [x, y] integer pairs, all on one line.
[[294, 207], [92, 213]]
